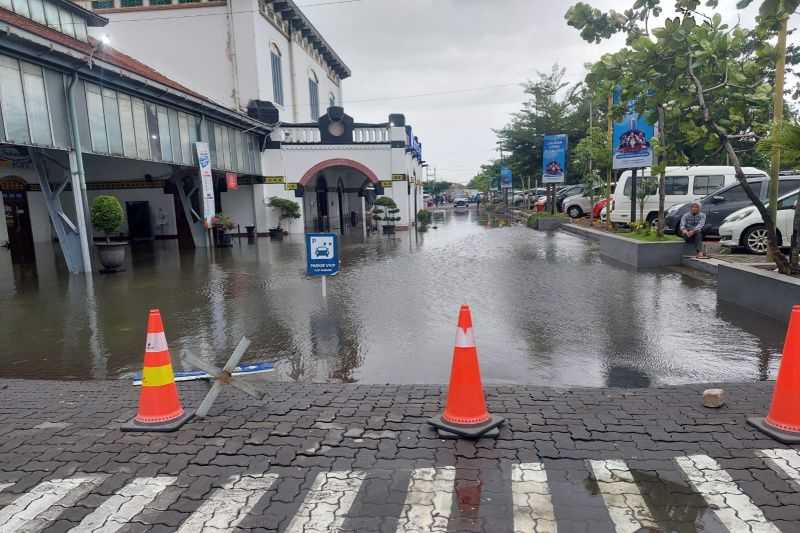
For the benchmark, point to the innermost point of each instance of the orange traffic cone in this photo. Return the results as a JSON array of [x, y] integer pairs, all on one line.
[[783, 421], [159, 405], [465, 414]]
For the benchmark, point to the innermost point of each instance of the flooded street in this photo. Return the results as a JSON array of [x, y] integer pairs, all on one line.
[[547, 311]]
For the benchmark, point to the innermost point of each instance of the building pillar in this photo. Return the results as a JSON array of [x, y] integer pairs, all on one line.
[[364, 216]]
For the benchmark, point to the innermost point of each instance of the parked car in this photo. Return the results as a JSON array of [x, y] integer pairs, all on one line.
[[578, 205], [461, 206], [746, 228], [599, 208], [566, 192], [682, 185], [722, 202]]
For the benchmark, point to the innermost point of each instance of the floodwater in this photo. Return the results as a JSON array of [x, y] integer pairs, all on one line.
[[547, 310]]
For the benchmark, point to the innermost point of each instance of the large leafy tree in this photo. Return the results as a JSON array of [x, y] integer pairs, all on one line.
[[711, 84], [553, 106]]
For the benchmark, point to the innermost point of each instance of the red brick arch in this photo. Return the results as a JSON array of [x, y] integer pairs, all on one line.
[[328, 163]]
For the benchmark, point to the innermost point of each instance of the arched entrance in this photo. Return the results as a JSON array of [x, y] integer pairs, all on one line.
[[18, 220], [346, 208], [322, 221]]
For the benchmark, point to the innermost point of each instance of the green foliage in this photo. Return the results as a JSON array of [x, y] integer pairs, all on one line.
[[424, 217], [221, 220], [788, 140], [106, 214], [386, 210], [487, 178], [288, 208], [436, 187]]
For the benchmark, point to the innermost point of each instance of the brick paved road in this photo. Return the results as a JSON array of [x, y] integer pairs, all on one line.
[[361, 458]]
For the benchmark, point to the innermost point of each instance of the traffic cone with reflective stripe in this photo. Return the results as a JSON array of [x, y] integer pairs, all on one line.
[[465, 414], [782, 423], [159, 405]]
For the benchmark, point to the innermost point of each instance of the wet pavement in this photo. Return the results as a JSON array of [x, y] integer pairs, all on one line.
[[547, 310]]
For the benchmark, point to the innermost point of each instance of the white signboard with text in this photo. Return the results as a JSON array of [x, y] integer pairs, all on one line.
[[206, 180]]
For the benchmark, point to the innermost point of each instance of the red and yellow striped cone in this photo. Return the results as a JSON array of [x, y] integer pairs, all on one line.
[[159, 405], [465, 414]]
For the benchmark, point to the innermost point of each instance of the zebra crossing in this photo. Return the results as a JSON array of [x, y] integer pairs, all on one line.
[[430, 500]]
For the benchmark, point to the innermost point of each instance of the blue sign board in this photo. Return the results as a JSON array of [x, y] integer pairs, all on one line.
[[506, 178], [554, 158], [322, 254], [632, 135]]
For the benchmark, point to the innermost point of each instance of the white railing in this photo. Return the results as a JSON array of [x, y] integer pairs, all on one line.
[[371, 135], [300, 135]]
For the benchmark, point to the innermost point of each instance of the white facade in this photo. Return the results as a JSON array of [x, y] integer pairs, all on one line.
[[223, 50]]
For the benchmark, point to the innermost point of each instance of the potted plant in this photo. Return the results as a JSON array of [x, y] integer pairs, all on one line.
[[288, 209], [221, 224], [424, 219], [107, 217], [386, 210]]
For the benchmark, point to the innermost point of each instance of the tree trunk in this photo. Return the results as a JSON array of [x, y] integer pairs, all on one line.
[[777, 116], [610, 125], [662, 175], [772, 237]]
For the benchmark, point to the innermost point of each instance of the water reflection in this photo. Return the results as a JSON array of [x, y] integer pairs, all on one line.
[[547, 311]]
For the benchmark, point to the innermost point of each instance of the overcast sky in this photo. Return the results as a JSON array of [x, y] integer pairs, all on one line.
[[398, 49]]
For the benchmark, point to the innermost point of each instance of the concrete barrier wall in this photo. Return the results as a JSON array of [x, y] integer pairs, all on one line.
[[765, 292]]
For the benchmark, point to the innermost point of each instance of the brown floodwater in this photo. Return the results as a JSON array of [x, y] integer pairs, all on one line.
[[547, 310]]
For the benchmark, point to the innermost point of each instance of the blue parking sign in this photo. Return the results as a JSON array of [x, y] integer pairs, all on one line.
[[322, 254]]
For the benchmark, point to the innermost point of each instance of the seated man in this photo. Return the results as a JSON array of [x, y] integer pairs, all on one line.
[[691, 228]]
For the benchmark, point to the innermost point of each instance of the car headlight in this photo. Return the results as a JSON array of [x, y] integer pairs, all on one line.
[[674, 209], [736, 217]]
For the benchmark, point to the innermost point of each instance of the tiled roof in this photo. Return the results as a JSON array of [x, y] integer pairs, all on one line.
[[103, 52]]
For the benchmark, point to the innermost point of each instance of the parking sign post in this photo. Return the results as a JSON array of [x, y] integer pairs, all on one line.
[[322, 256]]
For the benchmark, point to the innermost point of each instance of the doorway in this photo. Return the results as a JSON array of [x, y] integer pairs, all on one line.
[[140, 227], [18, 221], [322, 204]]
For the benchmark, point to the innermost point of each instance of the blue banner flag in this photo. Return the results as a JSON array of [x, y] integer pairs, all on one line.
[[632, 135], [554, 158], [506, 178]]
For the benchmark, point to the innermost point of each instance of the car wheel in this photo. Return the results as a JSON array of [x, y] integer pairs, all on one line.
[[575, 212], [755, 240], [652, 220]]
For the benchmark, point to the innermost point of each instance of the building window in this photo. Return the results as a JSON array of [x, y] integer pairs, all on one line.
[[113, 128], [160, 2], [331, 100], [131, 3], [313, 95], [37, 10], [140, 128], [21, 7], [277, 74], [36, 102], [103, 4], [97, 123], [126, 125], [12, 101]]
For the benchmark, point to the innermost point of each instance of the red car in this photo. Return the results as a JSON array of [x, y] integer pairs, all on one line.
[[598, 207]]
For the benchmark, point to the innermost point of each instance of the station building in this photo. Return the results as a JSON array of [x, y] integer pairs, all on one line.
[[253, 79], [266, 58]]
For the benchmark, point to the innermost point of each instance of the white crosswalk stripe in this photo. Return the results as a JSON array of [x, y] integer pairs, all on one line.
[[427, 507], [126, 503], [532, 504], [25, 512], [734, 509], [785, 462], [429, 500], [327, 503], [624, 501], [228, 506]]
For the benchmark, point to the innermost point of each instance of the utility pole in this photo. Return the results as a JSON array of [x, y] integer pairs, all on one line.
[[611, 168]]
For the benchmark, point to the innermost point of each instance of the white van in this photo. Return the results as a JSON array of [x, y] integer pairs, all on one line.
[[682, 184]]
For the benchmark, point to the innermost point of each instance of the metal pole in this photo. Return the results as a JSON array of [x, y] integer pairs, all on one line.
[[364, 217], [78, 177], [324, 288], [633, 196], [610, 170]]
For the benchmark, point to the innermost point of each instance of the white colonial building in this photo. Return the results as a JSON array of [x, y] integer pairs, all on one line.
[[267, 58]]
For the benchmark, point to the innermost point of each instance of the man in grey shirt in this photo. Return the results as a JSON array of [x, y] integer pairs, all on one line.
[[691, 228]]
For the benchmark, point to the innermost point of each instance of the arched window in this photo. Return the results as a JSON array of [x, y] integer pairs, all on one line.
[[277, 74], [313, 94], [331, 100]]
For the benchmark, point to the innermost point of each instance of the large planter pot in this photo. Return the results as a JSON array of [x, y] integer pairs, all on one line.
[[388, 229], [112, 255], [251, 232], [276, 233], [221, 238]]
